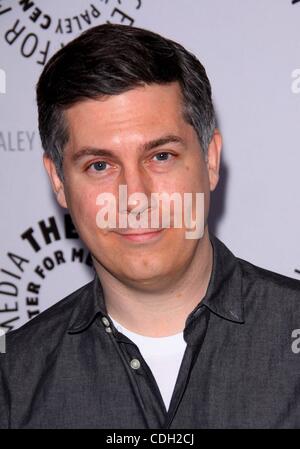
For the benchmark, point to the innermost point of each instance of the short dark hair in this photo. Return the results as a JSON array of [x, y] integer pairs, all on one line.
[[112, 59]]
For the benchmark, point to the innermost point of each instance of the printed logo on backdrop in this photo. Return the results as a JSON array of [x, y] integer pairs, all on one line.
[[17, 141], [38, 29], [44, 255]]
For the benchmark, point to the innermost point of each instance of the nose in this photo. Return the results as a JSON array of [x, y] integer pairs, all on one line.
[[139, 187]]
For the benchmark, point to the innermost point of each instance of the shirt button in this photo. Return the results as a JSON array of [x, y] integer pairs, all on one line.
[[108, 330], [135, 364], [105, 321]]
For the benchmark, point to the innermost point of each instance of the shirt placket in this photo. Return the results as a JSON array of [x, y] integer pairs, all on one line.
[[194, 334], [141, 378]]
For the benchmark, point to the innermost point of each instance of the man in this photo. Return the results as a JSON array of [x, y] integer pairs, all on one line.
[[174, 332]]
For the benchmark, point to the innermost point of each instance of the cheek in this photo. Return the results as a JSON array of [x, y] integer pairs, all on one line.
[[197, 177], [83, 207], [193, 178]]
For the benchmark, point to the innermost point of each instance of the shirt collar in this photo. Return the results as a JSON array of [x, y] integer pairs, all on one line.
[[223, 296], [90, 305], [224, 293]]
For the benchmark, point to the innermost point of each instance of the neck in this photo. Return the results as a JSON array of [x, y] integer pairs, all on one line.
[[163, 312]]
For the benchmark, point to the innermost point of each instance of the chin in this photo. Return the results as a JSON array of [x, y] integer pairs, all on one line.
[[143, 270]]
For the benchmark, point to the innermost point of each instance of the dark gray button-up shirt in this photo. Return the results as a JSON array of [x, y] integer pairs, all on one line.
[[70, 368]]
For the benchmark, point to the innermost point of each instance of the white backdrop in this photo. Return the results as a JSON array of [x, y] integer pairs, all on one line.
[[251, 50]]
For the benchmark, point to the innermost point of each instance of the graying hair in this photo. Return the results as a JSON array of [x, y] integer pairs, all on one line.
[[112, 59]]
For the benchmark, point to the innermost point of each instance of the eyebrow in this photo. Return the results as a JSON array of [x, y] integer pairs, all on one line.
[[93, 151]]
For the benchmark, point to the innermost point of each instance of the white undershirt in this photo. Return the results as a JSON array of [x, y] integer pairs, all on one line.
[[163, 355]]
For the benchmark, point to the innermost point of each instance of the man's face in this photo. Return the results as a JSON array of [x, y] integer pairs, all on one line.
[[139, 139]]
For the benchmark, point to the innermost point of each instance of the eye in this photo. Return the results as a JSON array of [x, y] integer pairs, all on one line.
[[163, 156], [98, 166]]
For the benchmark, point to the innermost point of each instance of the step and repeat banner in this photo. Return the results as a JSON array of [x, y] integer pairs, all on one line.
[[251, 50]]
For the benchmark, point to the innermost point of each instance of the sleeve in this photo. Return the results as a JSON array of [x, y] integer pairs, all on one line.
[[4, 396]]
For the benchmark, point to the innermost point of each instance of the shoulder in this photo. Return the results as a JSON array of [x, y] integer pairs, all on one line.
[[269, 279], [269, 289], [46, 328]]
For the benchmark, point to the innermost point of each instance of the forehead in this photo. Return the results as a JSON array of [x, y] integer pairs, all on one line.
[[143, 108]]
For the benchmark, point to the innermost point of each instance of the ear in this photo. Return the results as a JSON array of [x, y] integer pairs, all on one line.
[[56, 182], [213, 159]]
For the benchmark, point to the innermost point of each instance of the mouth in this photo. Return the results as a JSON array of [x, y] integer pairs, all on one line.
[[141, 235]]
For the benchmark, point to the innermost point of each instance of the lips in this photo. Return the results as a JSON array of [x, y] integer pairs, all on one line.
[[138, 231], [140, 235]]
